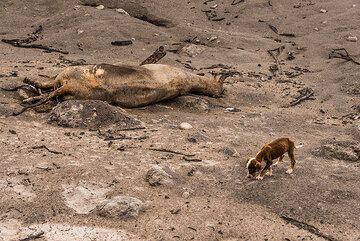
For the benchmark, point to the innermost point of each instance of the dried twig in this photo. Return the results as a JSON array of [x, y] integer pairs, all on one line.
[[190, 159], [215, 66], [26, 42], [123, 137], [287, 34], [234, 2], [121, 42], [217, 19], [308, 228], [17, 43], [275, 54], [207, 1], [273, 28], [33, 236], [170, 151], [23, 86], [46, 148], [305, 93], [155, 57], [342, 53]]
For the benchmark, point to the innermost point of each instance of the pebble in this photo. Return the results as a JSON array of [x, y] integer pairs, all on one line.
[[185, 195], [213, 38], [185, 126], [214, 6], [316, 29], [352, 38], [156, 176], [323, 10], [122, 11], [100, 7], [232, 109]]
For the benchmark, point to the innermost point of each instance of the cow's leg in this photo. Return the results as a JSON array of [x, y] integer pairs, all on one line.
[[45, 98], [48, 84]]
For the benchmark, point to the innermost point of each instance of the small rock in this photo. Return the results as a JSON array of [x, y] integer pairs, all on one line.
[[323, 10], [185, 195], [213, 38], [185, 126], [191, 50], [100, 7], [80, 31], [358, 108], [214, 6], [120, 207], [44, 166], [232, 109], [175, 211], [122, 11], [316, 29], [197, 137], [352, 38], [230, 151], [12, 132], [158, 176]]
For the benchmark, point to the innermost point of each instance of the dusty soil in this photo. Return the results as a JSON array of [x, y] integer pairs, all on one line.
[[52, 178]]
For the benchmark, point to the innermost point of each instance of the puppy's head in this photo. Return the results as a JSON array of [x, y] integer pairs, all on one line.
[[253, 166]]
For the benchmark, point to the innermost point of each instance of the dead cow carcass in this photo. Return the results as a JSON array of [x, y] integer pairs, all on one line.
[[123, 85]]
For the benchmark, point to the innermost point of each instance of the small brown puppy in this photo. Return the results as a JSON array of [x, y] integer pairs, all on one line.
[[268, 153]]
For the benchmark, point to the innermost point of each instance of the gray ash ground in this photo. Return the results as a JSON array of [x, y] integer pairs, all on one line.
[[54, 180]]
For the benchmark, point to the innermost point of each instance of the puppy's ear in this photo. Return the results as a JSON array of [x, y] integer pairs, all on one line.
[[248, 162]]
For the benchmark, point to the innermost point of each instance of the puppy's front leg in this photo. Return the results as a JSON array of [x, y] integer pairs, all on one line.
[[263, 172]]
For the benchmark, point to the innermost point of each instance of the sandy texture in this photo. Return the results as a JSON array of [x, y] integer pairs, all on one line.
[[52, 178]]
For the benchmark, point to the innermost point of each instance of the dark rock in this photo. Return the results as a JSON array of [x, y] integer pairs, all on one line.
[[158, 176], [229, 151], [92, 114], [342, 150]]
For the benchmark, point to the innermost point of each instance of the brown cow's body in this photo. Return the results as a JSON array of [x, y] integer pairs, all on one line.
[[125, 85]]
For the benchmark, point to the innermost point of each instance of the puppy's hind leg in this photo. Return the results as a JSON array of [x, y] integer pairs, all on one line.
[[292, 158], [279, 160]]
